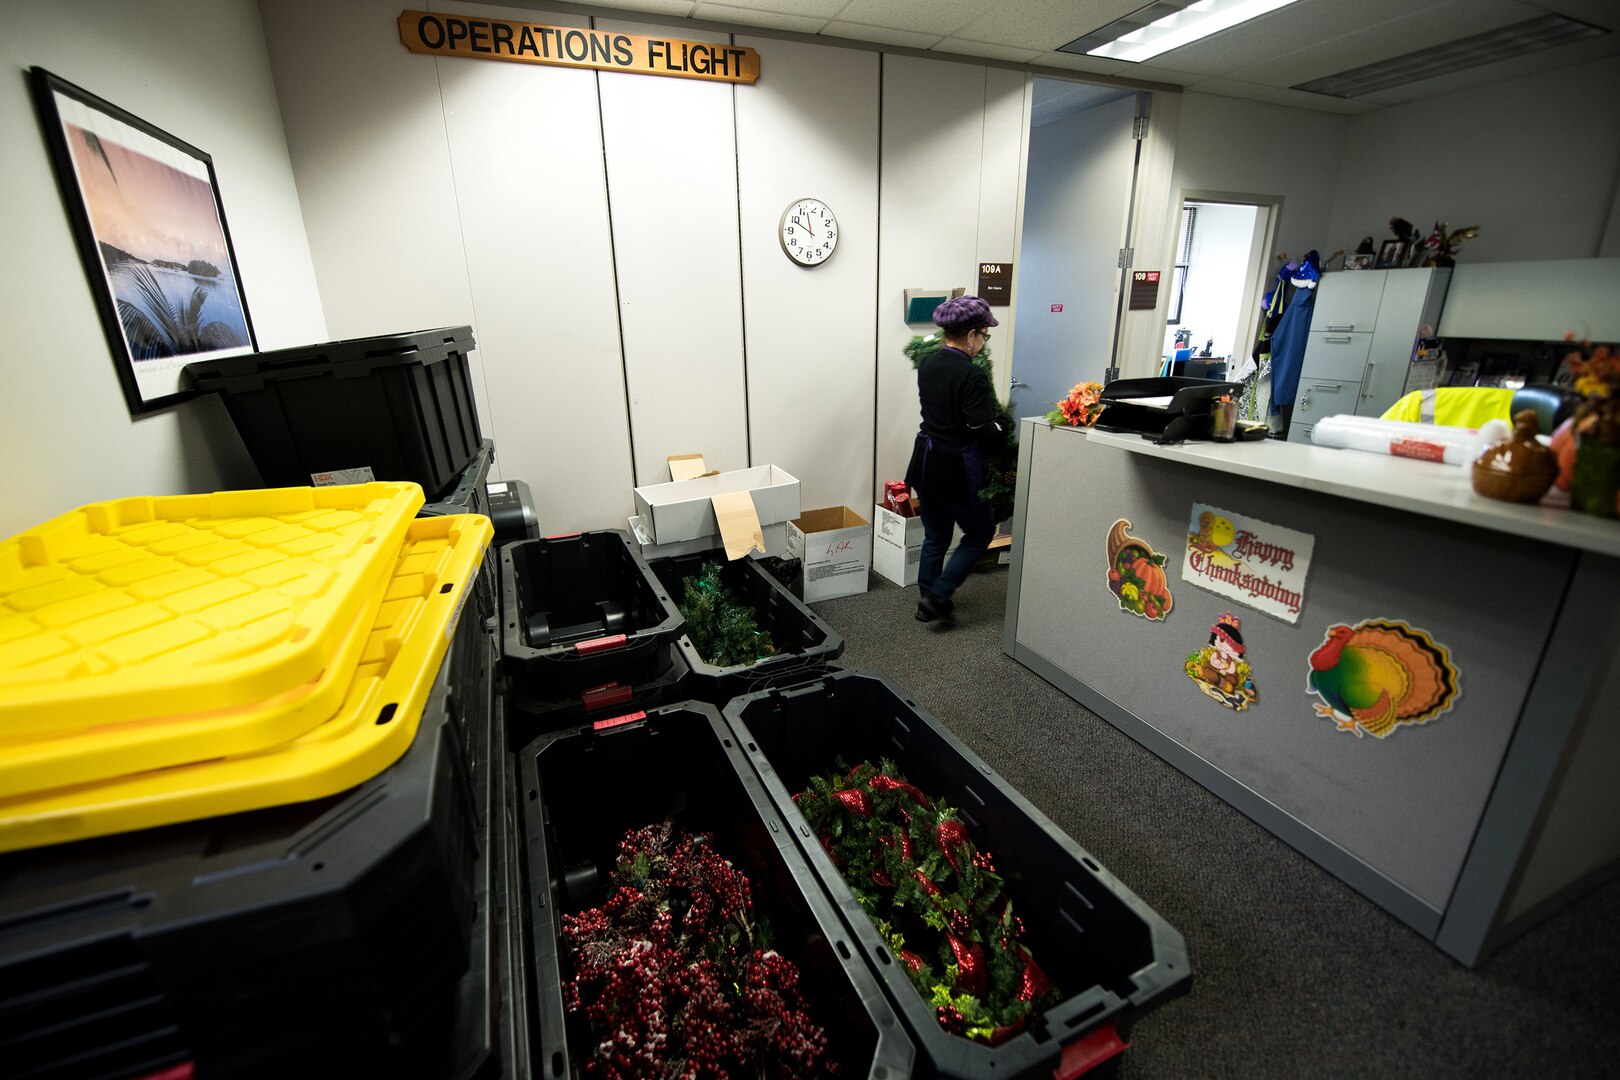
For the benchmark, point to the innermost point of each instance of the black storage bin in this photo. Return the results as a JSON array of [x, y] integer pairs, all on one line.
[[805, 644], [1109, 953], [400, 405], [654, 678], [468, 495], [325, 938], [680, 762], [579, 611]]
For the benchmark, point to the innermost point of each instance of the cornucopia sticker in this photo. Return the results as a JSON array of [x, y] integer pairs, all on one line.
[[1136, 574]]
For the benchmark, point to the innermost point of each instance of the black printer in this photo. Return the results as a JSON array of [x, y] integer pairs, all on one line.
[[1164, 409]]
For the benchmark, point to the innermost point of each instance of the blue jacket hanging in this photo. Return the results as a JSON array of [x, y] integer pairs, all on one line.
[[1288, 343]]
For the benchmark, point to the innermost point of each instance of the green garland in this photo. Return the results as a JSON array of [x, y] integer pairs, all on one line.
[[1001, 461], [722, 628], [936, 901]]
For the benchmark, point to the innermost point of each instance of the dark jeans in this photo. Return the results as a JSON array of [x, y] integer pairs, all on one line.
[[934, 575]]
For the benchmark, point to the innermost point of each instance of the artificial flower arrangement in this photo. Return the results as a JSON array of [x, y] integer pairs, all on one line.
[[936, 900], [676, 977], [1588, 444], [1081, 408]]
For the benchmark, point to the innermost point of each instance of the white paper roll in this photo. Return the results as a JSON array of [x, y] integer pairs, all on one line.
[[1404, 438]]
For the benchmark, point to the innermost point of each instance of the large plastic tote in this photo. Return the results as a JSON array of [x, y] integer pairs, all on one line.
[[583, 789], [805, 643], [580, 611], [326, 937], [398, 406], [1109, 953]]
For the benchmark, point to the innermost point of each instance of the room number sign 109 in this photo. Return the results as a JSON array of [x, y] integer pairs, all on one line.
[[808, 231]]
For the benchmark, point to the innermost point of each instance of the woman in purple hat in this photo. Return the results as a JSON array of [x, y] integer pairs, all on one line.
[[947, 462]]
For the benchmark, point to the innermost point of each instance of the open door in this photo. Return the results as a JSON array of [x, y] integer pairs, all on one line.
[[1076, 210]]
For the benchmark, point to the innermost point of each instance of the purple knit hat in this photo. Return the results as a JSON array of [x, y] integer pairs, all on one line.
[[964, 313]]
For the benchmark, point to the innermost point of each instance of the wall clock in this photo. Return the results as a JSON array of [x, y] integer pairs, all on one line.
[[808, 231]]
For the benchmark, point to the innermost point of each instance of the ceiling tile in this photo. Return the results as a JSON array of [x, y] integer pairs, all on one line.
[[1518, 67], [679, 8], [1044, 24], [881, 34], [802, 24], [1274, 96], [1604, 13], [939, 17], [1097, 65], [980, 48]]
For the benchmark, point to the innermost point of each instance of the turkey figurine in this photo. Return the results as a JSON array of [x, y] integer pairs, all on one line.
[[1378, 675]]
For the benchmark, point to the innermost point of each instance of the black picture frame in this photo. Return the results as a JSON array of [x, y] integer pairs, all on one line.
[[1390, 253], [171, 293]]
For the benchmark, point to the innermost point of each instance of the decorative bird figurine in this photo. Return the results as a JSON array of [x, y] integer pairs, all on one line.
[[1379, 675]]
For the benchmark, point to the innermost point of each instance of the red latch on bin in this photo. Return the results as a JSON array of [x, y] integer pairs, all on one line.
[[1086, 1054], [627, 718], [601, 644], [613, 693], [563, 536]]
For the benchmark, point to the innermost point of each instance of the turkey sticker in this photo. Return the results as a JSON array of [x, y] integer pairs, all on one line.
[[1136, 575], [1221, 669], [1379, 675]]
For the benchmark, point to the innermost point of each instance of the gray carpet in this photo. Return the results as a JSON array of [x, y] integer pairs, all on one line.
[[1296, 974]]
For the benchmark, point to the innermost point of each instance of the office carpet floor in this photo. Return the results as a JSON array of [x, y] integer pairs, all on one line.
[[1295, 973]]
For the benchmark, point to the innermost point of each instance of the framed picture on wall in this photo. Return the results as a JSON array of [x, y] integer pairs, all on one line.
[[146, 214], [1390, 253]]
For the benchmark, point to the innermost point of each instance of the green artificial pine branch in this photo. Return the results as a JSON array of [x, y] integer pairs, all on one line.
[[723, 629]]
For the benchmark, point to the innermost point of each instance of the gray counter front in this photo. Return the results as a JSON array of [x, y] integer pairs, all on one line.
[[1468, 827]]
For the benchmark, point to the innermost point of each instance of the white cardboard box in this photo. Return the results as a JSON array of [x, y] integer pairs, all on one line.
[[681, 510], [897, 545], [835, 545], [776, 541]]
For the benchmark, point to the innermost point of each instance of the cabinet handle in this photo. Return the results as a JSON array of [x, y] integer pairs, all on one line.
[[1337, 340], [1329, 388], [1366, 380], [1340, 326]]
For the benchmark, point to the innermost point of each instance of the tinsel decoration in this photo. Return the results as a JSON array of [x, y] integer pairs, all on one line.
[[722, 628], [673, 975], [935, 899], [1000, 461]]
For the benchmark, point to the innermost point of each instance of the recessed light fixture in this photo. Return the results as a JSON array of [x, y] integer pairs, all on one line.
[[1542, 32], [1166, 25]]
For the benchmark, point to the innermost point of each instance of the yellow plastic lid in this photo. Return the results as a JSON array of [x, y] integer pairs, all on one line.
[[142, 608], [431, 580]]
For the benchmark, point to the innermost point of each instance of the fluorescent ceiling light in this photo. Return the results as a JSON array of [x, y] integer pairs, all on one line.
[[1508, 41], [1166, 25]]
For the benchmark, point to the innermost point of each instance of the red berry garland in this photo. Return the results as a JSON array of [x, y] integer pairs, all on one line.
[[668, 973], [934, 898]]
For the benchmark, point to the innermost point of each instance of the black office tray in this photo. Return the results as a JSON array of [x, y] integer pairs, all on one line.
[[1185, 416]]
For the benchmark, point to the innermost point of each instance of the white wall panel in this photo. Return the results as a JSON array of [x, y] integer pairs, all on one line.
[[366, 132], [672, 191], [809, 127], [1002, 171], [526, 150], [199, 72], [930, 212]]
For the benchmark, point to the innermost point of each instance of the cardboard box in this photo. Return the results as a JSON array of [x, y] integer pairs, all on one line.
[[897, 545], [685, 509], [835, 545], [776, 541]]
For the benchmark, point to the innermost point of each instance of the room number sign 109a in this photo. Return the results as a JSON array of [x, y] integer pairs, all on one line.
[[808, 231]]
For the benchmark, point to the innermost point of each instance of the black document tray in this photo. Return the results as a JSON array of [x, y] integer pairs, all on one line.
[[1185, 416]]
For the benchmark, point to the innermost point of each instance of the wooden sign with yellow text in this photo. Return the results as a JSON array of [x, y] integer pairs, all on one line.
[[569, 46]]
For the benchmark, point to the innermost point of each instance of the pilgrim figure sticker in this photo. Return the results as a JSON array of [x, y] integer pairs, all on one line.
[[1379, 675], [1221, 669], [1136, 575]]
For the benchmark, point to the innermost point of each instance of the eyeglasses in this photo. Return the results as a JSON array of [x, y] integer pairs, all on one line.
[[984, 334]]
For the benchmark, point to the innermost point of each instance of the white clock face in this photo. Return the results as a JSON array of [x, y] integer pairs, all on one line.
[[809, 232]]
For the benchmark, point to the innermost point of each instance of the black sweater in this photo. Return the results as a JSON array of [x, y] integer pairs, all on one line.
[[956, 399]]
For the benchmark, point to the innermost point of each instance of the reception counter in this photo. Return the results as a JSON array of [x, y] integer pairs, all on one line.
[[1468, 825]]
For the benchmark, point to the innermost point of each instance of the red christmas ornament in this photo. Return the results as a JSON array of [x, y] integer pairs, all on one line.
[[928, 886], [856, 802], [911, 959], [1032, 981], [951, 835], [970, 973], [881, 877]]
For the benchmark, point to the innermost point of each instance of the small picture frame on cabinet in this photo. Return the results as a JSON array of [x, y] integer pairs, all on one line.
[[1358, 262], [1391, 253]]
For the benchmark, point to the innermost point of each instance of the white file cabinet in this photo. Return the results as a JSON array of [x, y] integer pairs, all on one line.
[[1365, 327]]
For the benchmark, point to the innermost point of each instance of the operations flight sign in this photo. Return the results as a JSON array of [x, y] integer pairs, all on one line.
[[432, 34]]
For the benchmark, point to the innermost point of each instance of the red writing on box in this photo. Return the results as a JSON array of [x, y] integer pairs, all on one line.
[[1057, 307], [840, 547]]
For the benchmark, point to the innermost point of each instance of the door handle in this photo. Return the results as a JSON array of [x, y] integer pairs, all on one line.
[[1018, 385]]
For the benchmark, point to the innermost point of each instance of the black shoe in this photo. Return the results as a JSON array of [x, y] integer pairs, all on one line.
[[936, 608], [923, 614]]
